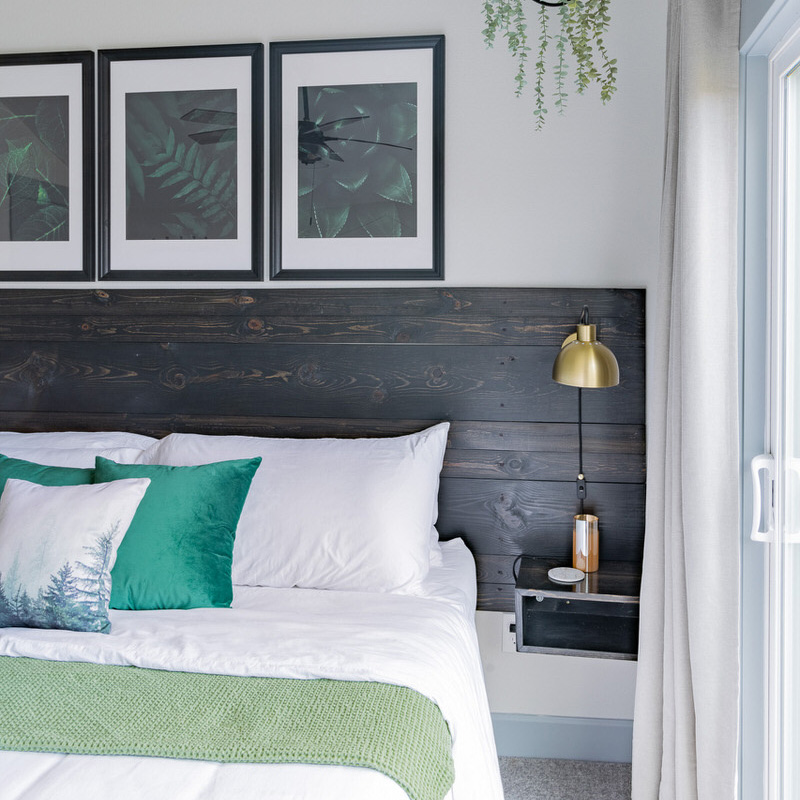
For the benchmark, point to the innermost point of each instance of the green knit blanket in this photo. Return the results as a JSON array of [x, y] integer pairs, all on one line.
[[68, 707]]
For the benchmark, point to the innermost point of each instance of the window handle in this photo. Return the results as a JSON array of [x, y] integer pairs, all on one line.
[[763, 511]]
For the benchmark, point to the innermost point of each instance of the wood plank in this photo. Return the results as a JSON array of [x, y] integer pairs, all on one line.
[[396, 329], [221, 424], [558, 465], [537, 437], [496, 597], [491, 568], [440, 381], [561, 304], [535, 517], [552, 466], [547, 437], [457, 463]]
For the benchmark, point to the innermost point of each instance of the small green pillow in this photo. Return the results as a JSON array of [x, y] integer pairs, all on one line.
[[39, 473], [178, 550]]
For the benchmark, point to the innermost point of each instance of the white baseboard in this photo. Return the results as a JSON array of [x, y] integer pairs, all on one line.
[[532, 736]]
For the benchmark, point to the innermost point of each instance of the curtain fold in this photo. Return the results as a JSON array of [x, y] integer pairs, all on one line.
[[686, 716]]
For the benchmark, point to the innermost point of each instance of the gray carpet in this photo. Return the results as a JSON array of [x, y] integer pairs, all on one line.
[[551, 779]]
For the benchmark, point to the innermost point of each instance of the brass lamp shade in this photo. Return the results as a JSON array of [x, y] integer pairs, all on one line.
[[585, 362]]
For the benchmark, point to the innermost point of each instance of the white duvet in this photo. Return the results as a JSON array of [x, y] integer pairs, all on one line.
[[427, 643]]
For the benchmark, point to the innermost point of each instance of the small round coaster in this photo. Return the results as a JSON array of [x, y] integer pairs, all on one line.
[[565, 575]]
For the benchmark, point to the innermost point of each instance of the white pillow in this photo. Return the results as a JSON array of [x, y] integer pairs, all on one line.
[[57, 547], [351, 514], [72, 457], [92, 440]]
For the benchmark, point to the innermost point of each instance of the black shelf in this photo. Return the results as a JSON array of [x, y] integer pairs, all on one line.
[[597, 617]]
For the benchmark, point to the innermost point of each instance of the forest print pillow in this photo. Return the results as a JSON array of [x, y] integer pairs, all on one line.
[[57, 547]]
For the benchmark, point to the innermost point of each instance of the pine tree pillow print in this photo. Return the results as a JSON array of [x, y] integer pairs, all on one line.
[[57, 547]]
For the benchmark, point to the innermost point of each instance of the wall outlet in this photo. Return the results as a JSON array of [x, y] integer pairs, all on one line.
[[509, 635]]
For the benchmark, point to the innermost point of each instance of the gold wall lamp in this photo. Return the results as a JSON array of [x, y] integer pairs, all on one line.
[[588, 364]]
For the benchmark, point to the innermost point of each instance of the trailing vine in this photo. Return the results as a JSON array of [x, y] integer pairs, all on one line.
[[583, 25]]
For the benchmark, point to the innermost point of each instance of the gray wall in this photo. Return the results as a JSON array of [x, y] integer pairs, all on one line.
[[575, 204]]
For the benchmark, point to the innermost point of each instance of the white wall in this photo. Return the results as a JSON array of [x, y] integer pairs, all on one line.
[[557, 686], [574, 205]]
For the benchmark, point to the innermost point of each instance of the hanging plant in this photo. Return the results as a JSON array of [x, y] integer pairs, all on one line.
[[577, 32]]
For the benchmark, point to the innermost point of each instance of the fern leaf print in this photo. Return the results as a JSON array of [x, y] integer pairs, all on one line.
[[181, 163]]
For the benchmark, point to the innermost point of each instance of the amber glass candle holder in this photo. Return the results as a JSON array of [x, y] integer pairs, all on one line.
[[585, 542]]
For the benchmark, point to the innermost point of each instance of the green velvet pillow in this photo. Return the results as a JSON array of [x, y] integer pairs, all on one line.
[[41, 474], [178, 549]]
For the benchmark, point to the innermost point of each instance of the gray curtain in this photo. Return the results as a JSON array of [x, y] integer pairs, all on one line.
[[686, 713]]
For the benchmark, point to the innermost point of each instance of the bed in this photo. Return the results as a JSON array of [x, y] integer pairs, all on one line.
[[380, 618], [407, 627], [195, 374]]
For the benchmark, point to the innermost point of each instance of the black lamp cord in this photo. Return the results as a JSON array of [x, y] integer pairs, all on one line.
[[581, 481]]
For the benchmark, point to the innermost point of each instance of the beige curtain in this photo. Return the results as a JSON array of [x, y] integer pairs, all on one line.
[[686, 714]]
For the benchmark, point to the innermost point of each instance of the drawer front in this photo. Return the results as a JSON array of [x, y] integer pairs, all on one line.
[[602, 628]]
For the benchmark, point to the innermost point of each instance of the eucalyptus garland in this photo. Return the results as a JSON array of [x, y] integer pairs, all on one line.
[[577, 31]]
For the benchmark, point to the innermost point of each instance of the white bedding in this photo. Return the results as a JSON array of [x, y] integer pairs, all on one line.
[[425, 642]]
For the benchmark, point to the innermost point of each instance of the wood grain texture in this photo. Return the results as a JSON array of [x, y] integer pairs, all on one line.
[[553, 466], [534, 437], [364, 329], [366, 362], [496, 597], [511, 517], [438, 381], [553, 306]]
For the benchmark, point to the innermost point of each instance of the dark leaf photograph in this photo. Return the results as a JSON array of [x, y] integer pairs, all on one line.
[[34, 169], [181, 165], [357, 161]]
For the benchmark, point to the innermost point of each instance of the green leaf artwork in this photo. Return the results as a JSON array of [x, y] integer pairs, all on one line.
[[357, 161], [34, 169], [180, 164]]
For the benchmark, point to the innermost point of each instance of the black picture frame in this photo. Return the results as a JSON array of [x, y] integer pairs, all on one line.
[[47, 219], [366, 87], [181, 191]]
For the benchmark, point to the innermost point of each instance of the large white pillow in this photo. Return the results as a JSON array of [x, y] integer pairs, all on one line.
[[351, 514], [57, 547], [90, 440], [71, 456]]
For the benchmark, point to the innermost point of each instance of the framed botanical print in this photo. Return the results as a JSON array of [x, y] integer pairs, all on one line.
[[356, 159], [181, 163], [47, 166]]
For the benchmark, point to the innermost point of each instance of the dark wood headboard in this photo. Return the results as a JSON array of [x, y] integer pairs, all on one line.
[[311, 362]]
